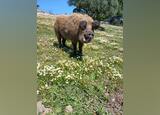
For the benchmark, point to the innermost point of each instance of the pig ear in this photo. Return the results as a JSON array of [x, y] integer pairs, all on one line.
[[95, 24], [83, 25]]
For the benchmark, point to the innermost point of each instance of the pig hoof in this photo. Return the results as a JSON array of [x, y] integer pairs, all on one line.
[[73, 54], [64, 46], [60, 46], [80, 54]]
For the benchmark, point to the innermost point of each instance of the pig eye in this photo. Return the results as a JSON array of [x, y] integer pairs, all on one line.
[[83, 25]]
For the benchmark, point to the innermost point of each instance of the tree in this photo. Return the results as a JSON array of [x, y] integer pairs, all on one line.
[[120, 10], [98, 9]]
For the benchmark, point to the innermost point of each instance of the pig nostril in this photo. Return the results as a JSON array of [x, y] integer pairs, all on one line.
[[91, 35]]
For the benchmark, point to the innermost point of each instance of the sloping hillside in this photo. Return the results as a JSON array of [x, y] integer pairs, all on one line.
[[88, 86]]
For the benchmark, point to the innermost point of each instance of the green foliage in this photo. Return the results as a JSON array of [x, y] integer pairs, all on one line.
[[113, 7], [120, 8], [64, 81], [99, 9]]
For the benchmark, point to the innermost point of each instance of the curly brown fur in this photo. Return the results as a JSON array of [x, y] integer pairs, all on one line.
[[78, 28]]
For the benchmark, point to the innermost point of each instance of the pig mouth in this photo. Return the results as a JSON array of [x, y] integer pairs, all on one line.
[[87, 39]]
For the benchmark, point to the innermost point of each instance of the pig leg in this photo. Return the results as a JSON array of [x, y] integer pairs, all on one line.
[[74, 47], [59, 38], [59, 41], [80, 48], [63, 42]]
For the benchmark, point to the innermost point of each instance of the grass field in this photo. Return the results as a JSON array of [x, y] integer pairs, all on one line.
[[89, 86]]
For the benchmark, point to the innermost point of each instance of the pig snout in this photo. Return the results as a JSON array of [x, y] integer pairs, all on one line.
[[89, 35]]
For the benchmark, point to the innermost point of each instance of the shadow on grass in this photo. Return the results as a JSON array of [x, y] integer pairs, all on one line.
[[101, 28], [69, 50]]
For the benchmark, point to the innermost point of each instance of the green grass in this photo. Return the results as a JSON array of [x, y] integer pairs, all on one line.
[[64, 81]]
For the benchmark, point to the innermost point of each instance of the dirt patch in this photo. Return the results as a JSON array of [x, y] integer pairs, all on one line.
[[115, 103]]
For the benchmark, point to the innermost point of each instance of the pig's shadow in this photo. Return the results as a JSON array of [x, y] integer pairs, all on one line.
[[69, 50]]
